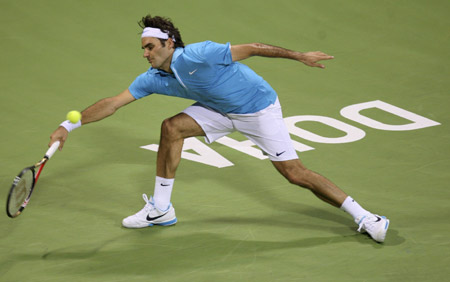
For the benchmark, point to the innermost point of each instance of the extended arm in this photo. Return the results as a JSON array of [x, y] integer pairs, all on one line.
[[96, 112], [244, 51], [106, 107]]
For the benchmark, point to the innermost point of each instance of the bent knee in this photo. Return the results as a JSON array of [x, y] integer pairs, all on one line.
[[170, 129], [179, 127]]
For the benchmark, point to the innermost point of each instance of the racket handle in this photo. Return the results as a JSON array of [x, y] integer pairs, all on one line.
[[52, 150]]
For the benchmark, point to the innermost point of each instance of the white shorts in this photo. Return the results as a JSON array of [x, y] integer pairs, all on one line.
[[265, 128]]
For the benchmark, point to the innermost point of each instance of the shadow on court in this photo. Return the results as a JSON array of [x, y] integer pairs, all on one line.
[[144, 252]]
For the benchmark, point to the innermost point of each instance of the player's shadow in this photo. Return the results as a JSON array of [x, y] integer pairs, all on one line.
[[132, 252], [343, 234]]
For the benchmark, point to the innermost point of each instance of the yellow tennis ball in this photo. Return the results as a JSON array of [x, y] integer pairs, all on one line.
[[74, 116]]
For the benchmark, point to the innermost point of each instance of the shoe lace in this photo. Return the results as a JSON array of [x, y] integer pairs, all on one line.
[[366, 223], [144, 196], [363, 223], [148, 205]]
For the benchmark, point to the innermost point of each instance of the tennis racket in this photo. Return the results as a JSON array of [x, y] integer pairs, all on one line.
[[23, 184]]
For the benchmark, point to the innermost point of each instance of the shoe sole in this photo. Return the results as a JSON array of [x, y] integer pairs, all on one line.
[[167, 223]]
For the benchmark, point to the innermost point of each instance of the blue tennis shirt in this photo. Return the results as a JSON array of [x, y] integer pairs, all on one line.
[[204, 72]]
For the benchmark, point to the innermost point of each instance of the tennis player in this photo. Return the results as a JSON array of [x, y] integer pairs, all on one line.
[[229, 97]]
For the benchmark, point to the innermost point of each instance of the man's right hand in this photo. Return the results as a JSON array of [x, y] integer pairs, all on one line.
[[60, 134]]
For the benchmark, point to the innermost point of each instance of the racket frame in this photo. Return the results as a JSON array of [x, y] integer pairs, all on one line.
[[32, 168]]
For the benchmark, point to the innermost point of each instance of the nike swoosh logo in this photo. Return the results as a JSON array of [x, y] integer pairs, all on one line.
[[378, 219], [156, 217], [165, 184], [279, 154], [192, 72]]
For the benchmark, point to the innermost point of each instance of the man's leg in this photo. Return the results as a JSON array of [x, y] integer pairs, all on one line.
[[268, 130], [296, 173], [196, 120], [173, 132], [324, 189], [157, 209]]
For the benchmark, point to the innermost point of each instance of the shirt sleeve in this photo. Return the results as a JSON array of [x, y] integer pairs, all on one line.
[[141, 86], [216, 53]]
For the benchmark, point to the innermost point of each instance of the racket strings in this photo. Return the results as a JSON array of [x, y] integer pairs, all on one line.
[[21, 192]]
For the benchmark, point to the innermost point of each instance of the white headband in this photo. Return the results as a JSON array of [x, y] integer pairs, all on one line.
[[155, 32]]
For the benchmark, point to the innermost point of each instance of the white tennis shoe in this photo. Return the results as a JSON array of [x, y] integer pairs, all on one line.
[[375, 225], [150, 215]]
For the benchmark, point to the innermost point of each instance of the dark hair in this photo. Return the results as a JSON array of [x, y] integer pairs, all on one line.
[[165, 25]]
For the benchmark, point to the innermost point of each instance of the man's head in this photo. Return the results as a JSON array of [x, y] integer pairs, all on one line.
[[159, 40], [166, 26]]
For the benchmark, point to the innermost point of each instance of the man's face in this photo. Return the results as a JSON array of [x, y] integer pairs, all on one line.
[[159, 56]]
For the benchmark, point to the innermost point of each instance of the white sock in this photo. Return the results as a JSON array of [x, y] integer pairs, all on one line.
[[353, 208], [163, 191]]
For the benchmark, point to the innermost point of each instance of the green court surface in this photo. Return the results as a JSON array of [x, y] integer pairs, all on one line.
[[241, 222]]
